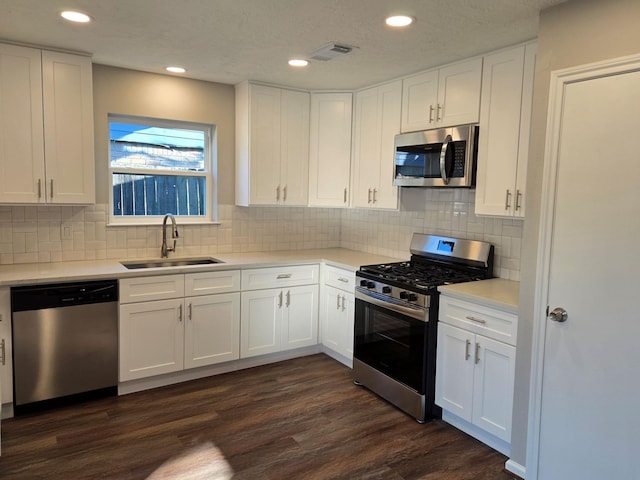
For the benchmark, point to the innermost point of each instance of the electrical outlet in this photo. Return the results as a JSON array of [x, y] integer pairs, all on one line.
[[66, 232]]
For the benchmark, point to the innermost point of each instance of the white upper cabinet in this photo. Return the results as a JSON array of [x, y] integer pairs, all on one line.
[[444, 97], [330, 149], [272, 145], [377, 122], [505, 120], [46, 127]]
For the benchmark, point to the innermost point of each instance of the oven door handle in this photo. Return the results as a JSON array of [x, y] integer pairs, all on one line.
[[418, 313]]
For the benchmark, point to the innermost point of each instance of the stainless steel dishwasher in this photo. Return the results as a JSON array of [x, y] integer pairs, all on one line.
[[65, 342]]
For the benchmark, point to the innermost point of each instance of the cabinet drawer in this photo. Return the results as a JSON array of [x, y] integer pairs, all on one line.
[[275, 277], [340, 278], [206, 283], [487, 321], [143, 289]]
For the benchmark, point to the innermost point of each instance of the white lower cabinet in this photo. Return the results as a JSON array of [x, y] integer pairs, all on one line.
[[280, 318], [165, 336], [475, 373], [337, 314]]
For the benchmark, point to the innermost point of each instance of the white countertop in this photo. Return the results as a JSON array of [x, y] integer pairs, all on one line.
[[496, 292], [34, 273]]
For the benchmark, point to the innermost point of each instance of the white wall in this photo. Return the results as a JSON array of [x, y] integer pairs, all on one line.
[[572, 33]]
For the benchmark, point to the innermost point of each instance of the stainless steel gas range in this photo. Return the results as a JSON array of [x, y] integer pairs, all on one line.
[[396, 317]]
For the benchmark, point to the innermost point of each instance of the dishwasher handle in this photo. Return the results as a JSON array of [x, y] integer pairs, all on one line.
[[38, 297]]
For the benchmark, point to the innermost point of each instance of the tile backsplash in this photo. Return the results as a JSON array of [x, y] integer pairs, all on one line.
[[31, 234]]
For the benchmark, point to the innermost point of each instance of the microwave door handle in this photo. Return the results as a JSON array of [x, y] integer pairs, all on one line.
[[443, 159]]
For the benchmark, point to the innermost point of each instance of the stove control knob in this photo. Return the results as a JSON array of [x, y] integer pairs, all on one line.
[[386, 289], [413, 297], [404, 295], [363, 283], [371, 285]]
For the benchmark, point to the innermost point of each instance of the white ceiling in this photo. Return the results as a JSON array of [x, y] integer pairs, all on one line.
[[229, 41]]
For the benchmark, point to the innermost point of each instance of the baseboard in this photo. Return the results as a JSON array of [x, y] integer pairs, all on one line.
[[149, 383], [515, 468]]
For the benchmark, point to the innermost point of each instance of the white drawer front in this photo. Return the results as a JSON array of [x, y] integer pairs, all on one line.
[[275, 277], [340, 278], [143, 289], [207, 283], [487, 321]]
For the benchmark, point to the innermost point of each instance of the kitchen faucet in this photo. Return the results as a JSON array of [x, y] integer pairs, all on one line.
[[164, 250]]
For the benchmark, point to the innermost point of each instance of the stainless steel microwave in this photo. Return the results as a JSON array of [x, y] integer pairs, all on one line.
[[444, 157]]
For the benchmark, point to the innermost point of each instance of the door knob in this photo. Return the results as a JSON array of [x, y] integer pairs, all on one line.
[[558, 315]]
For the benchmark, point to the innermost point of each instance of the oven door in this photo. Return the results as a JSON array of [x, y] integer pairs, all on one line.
[[391, 341]]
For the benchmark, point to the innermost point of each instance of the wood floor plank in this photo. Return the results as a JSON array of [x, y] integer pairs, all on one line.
[[299, 419]]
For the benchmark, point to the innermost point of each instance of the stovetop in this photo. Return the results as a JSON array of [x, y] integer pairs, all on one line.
[[418, 276]]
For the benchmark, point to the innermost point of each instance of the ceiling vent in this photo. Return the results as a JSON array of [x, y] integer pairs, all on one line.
[[330, 51]]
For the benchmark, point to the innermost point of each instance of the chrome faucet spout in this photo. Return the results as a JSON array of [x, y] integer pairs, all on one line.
[[164, 250]]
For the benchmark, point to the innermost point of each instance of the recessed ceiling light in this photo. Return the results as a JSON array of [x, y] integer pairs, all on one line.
[[298, 62], [399, 21], [75, 16], [176, 69]]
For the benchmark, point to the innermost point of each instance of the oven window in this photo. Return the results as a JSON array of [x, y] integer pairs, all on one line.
[[392, 343]]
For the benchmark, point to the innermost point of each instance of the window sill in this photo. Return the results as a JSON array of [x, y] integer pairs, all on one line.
[[159, 223]]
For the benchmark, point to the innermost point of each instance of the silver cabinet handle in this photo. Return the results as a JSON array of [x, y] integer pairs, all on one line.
[[375, 193], [443, 159], [278, 193], [288, 298], [3, 358], [343, 280], [344, 299], [466, 350], [477, 353], [338, 302], [345, 194], [284, 193], [180, 313], [280, 300], [507, 200], [518, 198], [438, 112], [190, 311], [39, 188], [369, 197], [52, 188], [284, 275], [430, 113], [474, 319]]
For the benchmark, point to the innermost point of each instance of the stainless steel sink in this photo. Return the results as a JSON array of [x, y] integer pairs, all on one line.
[[170, 262]]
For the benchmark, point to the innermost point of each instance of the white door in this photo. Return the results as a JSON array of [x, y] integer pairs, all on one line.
[[261, 314], [212, 329], [300, 321], [294, 145], [586, 389]]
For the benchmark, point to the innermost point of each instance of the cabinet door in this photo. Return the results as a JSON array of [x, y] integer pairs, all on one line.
[[459, 93], [454, 371], [498, 143], [264, 149], [366, 155], [261, 322], [419, 101], [151, 338], [347, 309], [331, 330], [294, 154], [377, 122], [212, 329], [390, 98], [6, 357], [68, 128], [493, 387], [300, 322], [330, 149], [21, 125]]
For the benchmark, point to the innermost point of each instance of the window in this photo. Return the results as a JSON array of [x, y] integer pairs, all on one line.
[[158, 167]]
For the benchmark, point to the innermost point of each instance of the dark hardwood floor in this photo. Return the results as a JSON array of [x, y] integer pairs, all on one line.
[[299, 419]]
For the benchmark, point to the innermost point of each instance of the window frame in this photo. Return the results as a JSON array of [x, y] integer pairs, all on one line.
[[210, 171]]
